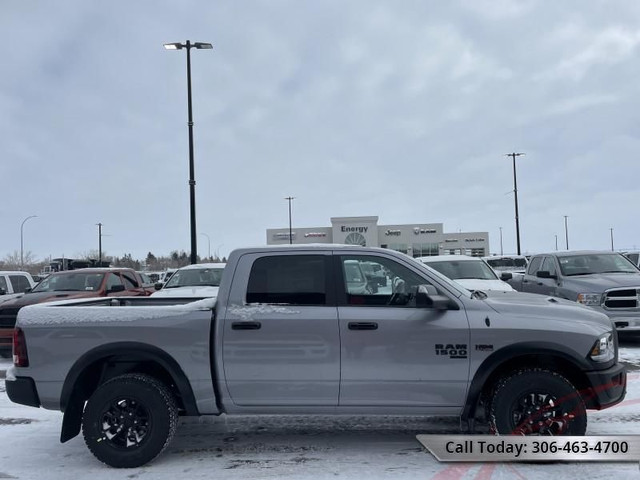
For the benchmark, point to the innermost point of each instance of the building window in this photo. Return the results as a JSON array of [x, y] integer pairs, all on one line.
[[425, 249], [399, 247]]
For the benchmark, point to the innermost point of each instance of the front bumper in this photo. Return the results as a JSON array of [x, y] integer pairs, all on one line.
[[22, 390], [624, 320], [607, 387]]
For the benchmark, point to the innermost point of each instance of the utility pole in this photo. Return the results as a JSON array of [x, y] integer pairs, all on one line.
[[99, 243], [501, 249], [611, 229], [556, 243], [566, 231], [515, 194], [290, 233]]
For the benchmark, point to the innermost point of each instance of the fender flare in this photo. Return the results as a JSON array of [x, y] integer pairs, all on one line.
[[511, 352], [72, 398]]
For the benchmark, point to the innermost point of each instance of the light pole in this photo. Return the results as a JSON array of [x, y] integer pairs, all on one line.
[[566, 231], [218, 251], [611, 230], [192, 182], [501, 250], [22, 240], [290, 233], [209, 241], [515, 195], [99, 243], [556, 242]]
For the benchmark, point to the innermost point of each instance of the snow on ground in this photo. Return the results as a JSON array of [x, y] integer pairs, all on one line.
[[300, 447]]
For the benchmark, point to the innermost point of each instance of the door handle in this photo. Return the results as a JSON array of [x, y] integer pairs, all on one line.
[[245, 326], [363, 326]]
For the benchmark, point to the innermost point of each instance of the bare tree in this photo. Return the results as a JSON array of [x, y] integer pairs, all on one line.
[[12, 260]]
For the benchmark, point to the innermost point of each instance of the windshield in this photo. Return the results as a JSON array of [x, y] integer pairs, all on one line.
[[508, 263], [595, 263], [196, 277], [464, 269], [70, 281]]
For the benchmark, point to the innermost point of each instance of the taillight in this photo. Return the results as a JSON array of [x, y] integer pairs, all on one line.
[[20, 357]]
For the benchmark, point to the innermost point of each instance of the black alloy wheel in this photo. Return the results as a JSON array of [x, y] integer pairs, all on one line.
[[129, 420], [537, 402]]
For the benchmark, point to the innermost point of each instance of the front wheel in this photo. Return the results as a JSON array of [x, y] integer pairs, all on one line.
[[537, 402], [129, 420]]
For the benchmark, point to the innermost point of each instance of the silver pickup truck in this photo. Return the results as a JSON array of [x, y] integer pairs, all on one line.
[[293, 332], [605, 281]]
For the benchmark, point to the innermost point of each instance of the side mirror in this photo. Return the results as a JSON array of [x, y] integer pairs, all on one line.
[[27, 290], [157, 285], [427, 297], [504, 276], [116, 288], [545, 274]]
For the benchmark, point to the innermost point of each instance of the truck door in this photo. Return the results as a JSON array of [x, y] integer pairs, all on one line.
[[529, 280], [281, 345], [544, 286], [394, 353]]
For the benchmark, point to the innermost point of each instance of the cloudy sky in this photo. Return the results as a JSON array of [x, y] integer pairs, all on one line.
[[402, 110]]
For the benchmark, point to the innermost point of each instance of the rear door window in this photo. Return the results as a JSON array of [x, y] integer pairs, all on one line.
[[19, 283], [289, 280]]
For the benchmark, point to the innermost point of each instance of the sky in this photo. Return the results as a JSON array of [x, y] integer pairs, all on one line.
[[402, 110]]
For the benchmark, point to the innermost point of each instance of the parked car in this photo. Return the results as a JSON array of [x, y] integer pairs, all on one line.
[[603, 280], [472, 273], [82, 283], [166, 275], [287, 336], [147, 281], [13, 284], [507, 263], [199, 280]]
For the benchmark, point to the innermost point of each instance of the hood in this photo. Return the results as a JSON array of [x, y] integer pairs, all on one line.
[[598, 282], [484, 285], [203, 291], [32, 298], [528, 306], [9, 296]]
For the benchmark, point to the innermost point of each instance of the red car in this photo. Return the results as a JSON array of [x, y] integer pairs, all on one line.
[[82, 283]]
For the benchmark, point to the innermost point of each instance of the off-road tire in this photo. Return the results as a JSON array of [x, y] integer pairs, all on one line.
[[513, 408], [152, 414]]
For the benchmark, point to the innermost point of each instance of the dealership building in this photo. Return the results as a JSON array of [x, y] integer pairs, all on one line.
[[417, 240]]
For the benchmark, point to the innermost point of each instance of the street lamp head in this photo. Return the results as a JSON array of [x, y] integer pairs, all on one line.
[[201, 45], [173, 46]]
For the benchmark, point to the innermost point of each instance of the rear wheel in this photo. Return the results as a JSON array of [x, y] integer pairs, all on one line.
[[129, 420], [537, 402]]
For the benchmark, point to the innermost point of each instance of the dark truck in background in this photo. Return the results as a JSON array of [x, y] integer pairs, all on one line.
[[291, 332], [81, 283], [605, 281]]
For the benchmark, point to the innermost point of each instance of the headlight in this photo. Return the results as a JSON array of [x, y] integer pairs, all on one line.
[[603, 350], [589, 299]]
